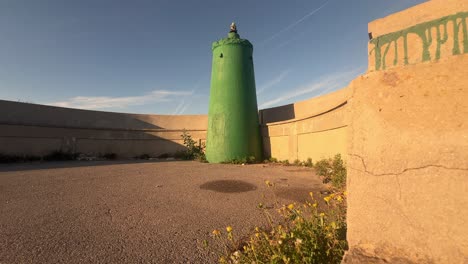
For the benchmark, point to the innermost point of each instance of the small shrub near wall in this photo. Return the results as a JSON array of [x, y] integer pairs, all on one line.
[[332, 171], [193, 150]]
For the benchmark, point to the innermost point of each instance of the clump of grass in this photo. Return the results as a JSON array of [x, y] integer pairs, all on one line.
[[273, 160], [193, 150], [244, 160], [109, 156], [309, 233], [332, 171], [59, 155], [143, 156], [297, 162], [181, 154], [164, 156], [9, 158]]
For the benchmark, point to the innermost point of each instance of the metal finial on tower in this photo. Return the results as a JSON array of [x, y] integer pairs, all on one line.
[[233, 27]]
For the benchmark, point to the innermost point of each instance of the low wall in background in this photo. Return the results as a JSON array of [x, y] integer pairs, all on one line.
[[315, 128], [38, 130]]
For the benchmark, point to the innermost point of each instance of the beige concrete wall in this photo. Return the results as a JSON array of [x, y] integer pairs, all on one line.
[[408, 155], [314, 128], [37, 130]]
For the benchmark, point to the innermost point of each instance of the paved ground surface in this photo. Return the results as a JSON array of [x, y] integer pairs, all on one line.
[[133, 212]]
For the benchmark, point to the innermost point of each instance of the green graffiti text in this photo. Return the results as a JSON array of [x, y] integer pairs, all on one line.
[[384, 43]]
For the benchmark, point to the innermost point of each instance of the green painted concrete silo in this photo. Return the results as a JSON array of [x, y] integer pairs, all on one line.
[[233, 126]]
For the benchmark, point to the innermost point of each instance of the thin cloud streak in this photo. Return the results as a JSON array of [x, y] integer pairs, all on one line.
[[179, 107], [103, 102], [294, 24], [183, 104], [328, 83], [184, 108], [273, 82]]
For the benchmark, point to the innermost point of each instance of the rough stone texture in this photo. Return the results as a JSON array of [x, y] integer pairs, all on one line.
[[407, 163], [138, 212]]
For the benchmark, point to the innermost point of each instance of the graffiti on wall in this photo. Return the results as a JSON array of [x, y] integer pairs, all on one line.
[[424, 31]]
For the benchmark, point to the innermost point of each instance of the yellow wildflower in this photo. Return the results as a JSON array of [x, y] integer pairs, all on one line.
[[321, 214], [339, 198], [291, 206], [216, 232], [229, 229], [327, 199], [314, 205]]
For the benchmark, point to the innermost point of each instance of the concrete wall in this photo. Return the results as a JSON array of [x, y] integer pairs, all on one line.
[[315, 128], [38, 130], [408, 150]]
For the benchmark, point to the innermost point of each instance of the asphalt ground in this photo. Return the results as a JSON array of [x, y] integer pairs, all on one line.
[[135, 212]]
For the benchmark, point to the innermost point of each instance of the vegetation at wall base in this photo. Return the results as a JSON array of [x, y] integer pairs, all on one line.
[[297, 162], [56, 155], [143, 157], [332, 171], [109, 156], [193, 150], [244, 160], [59, 155], [163, 156], [4, 158]]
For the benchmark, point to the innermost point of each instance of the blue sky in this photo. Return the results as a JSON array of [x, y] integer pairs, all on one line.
[[144, 56]]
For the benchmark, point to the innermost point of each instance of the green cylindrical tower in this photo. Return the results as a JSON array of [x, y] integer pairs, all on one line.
[[233, 127]]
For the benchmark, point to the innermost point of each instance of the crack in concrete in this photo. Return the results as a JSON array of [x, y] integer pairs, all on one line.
[[399, 186], [403, 171]]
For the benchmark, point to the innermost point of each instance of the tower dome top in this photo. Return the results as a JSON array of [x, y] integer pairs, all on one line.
[[232, 38]]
